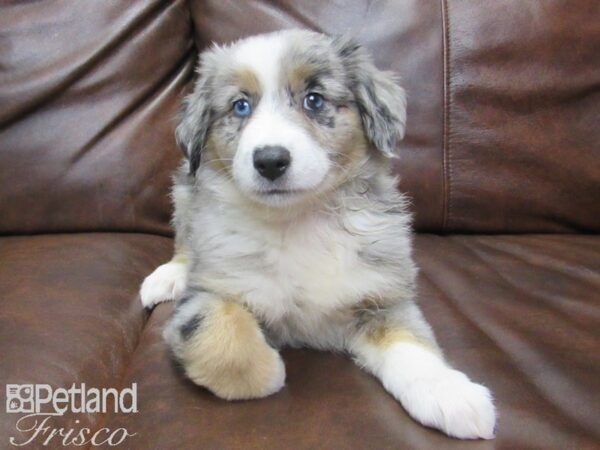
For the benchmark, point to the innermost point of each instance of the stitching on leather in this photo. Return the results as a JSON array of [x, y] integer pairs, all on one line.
[[447, 174]]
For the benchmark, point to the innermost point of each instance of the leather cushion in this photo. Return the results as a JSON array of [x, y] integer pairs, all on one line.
[[522, 96], [89, 92], [70, 312]]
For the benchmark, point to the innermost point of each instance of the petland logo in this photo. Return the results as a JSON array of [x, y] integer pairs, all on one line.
[[41, 402]]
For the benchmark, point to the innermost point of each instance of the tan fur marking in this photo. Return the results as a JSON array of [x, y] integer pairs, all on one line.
[[179, 257], [385, 335], [229, 355], [356, 145], [347, 139], [297, 76], [247, 81], [213, 158]]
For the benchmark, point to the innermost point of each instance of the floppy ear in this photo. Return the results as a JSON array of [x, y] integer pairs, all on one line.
[[380, 100], [195, 118]]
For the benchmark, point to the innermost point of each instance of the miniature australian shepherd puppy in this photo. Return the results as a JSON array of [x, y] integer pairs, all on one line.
[[290, 230]]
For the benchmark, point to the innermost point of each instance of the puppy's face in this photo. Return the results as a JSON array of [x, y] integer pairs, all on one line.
[[289, 115]]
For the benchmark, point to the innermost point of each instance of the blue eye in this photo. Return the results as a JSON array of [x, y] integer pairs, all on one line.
[[314, 102], [241, 108]]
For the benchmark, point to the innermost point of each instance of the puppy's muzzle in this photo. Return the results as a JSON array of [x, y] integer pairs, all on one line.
[[271, 162]]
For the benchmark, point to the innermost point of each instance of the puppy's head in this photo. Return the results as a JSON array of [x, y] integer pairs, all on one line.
[[289, 115]]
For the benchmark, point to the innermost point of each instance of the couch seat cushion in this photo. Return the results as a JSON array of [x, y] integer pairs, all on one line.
[[517, 313], [70, 313]]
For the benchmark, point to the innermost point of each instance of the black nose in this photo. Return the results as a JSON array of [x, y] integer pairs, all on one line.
[[271, 161]]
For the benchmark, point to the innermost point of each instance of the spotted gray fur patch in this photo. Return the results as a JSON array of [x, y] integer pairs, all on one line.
[[190, 294], [190, 327], [326, 120]]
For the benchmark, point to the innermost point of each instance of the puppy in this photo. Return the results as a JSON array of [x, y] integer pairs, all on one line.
[[290, 230]]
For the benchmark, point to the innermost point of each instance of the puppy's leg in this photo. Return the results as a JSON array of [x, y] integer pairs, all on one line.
[[167, 282], [221, 347], [400, 349]]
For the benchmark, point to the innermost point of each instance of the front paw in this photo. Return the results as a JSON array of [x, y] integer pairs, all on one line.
[[224, 350], [166, 283], [251, 381], [449, 401]]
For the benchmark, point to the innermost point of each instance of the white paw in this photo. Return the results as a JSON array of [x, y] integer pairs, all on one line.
[[449, 401], [167, 282]]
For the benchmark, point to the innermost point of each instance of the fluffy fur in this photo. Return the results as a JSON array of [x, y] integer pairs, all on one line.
[[320, 256]]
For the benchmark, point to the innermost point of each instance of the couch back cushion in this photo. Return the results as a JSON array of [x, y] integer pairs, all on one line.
[[522, 133], [502, 131], [503, 125], [88, 91]]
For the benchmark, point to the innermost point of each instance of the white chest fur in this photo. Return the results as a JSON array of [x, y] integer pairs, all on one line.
[[307, 268]]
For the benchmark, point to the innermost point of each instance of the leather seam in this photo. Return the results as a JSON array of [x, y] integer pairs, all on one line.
[[446, 156]]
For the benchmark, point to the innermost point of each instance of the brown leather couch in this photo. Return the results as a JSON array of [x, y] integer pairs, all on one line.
[[501, 160]]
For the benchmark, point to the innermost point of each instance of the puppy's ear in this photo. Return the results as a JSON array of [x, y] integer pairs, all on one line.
[[195, 117], [381, 101]]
